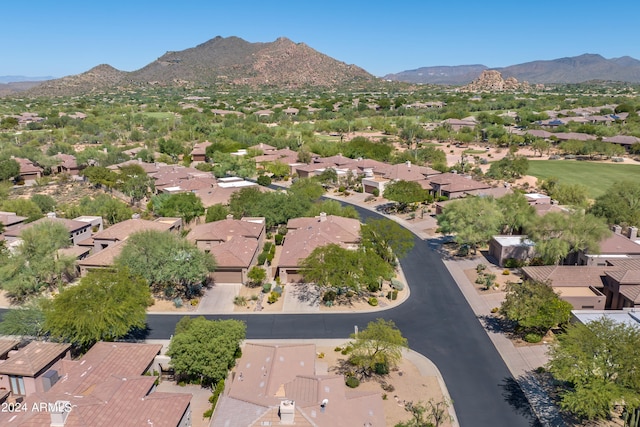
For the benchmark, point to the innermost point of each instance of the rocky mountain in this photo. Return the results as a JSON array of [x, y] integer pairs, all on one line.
[[492, 81], [575, 69], [448, 75], [232, 61], [20, 79]]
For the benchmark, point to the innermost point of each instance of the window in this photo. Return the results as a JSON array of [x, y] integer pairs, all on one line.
[[17, 385]]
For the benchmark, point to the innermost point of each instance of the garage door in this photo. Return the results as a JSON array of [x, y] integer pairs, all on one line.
[[227, 276]]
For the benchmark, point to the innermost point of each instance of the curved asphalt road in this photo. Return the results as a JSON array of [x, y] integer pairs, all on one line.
[[436, 320]]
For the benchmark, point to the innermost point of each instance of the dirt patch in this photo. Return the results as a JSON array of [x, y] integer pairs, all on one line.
[[407, 382], [500, 282], [160, 305]]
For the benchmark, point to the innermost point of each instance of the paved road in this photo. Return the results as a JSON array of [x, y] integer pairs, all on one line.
[[437, 322]]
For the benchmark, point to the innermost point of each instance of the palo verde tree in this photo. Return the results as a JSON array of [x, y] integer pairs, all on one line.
[[535, 308], [597, 364], [473, 220], [105, 306], [405, 193], [36, 264], [170, 264], [386, 238], [203, 351], [377, 348]]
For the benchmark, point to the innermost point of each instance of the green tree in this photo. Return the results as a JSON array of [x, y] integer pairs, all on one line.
[[509, 168], [535, 307], [332, 207], [540, 145], [169, 263], [386, 238], [473, 220], [187, 206], [25, 321], [570, 194], [9, 169], [377, 348], [36, 264], [516, 212], [333, 266], [307, 189], [134, 182], [264, 180], [257, 275], [620, 204], [45, 202], [216, 212], [405, 193], [204, 350], [278, 169], [105, 306], [598, 363], [23, 207]]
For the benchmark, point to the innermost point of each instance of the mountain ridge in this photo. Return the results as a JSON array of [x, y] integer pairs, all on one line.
[[574, 69]]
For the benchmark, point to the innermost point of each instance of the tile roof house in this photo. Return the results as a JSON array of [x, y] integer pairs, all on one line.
[[199, 151], [105, 388], [281, 385], [68, 164], [235, 245], [78, 230], [24, 371], [108, 243], [8, 219], [307, 234], [453, 185], [614, 247], [29, 171]]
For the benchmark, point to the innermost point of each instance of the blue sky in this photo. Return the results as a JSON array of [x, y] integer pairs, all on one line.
[[63, 37]]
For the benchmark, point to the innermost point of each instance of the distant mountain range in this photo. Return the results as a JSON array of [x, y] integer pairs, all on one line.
[[225, 61], [283, 64], [16, 79], [575, 69]]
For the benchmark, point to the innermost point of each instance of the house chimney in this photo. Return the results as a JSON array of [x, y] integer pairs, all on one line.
[[323, 216], [633, 233], [135, 216], [59, 412], [51, 215], [230, 216], [409, 164], [617, 229], [287, 412]]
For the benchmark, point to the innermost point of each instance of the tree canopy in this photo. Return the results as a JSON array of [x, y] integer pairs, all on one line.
[[187, 206], [336, 267], [405, 193], [620, 204], [377, 348], [598, 362], [170, 264], [105, 306], [36, 264], [204, 350], [535, 307], [386, 238]]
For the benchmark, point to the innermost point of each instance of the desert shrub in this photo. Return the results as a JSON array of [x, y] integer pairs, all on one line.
[[505, 272], [373, 301], [337, 349], [480, 279], [375, 192], [373, 287], [533, 338], [240, 301], [397, 284], [495, 309], [513, 263], [381, 368], [480, 268], [278, 290], [177, 302], [352, 382], [279, 238], [394, 294], [273, 297], [262, 258], [330, 295], [266, 288]]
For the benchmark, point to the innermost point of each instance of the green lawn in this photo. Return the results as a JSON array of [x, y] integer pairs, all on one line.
[[598, 177]]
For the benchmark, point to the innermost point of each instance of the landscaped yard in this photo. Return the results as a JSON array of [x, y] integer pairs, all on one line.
[[596, 176]]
